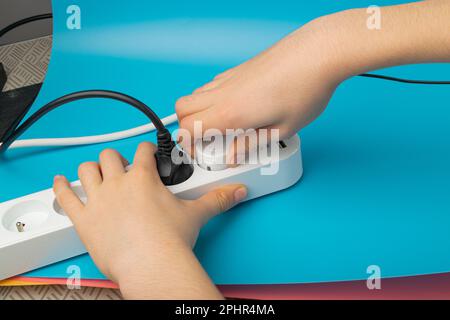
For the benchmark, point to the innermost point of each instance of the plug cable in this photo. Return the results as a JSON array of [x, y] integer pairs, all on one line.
[[171, 170], [163, 133], [24, 21], [388, 78]]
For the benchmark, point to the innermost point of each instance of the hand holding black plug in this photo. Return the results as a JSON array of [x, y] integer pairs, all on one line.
[[172, 171], [138, 232], [172, 164]]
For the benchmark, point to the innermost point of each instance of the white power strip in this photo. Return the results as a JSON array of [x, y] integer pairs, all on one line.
[[35, 232]]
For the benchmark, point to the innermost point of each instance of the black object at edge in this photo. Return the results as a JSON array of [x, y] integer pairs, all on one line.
[[3, 77], [14, 105]]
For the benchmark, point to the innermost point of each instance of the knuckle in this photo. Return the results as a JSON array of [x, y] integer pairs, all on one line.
[[62, 196], [223, 201], [181, 103], [146, 175], [199, 90], [147, 146], [108, 153], [85, 167], [143, 176], [221, 75], [206, 86], [143, 169], [57, 190]]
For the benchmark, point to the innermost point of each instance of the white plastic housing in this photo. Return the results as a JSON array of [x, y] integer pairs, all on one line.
[[212, 155], [48, 235]]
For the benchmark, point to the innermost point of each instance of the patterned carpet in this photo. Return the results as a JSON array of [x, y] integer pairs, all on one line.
[[26, 62], [57, 293]]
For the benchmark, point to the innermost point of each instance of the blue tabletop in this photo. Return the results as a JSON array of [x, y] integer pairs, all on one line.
[[377, 177]]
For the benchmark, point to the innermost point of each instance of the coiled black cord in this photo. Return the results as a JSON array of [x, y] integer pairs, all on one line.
[[164, 138]]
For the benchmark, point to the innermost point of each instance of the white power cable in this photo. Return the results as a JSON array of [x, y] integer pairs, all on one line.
[[78, 141]]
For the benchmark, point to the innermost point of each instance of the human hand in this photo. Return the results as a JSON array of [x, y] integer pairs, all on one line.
[[285, 88], [289, 85], [137, 232]]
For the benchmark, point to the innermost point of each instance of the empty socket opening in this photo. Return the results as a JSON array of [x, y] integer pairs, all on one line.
[[26, 216]]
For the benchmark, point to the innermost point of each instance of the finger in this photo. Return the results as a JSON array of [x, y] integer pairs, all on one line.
[[218, 201], [248, 147], [111, 164], [186, 141], [210, 85], [90, 176], [211, 118], [219, 118], [145, 157], [225, 74], [192, 104], [67, 199], [210, 122]]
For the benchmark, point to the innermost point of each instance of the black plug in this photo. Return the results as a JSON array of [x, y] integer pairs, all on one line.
[[3, 77], [173, 165]]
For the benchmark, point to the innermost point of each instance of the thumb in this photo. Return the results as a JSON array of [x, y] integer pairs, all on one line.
[[220, 200]]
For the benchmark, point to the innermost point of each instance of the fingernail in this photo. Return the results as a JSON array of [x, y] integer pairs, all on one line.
[[240, 194], [58, 177]]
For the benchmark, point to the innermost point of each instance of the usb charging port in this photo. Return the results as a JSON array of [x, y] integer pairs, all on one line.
[[282, 145]]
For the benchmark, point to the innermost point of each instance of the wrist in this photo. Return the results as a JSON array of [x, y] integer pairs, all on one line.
[[407, 34], [336, 41], [168, 273], [320, 46], [144, 257]]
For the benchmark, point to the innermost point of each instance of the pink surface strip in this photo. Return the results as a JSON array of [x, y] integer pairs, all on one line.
[[421, 287]]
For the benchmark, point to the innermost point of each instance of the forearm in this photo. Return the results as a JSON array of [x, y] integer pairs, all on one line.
[[171, 273], [411, 33]]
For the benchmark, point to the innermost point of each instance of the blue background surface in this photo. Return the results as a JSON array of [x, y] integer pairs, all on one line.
[[377, 177]]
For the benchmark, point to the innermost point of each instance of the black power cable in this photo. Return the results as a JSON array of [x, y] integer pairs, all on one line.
[[388, 78], [172, 171], [79, 96], [24, 21]]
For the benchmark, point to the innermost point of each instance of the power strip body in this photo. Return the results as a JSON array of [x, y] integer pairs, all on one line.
[[48, 235]]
